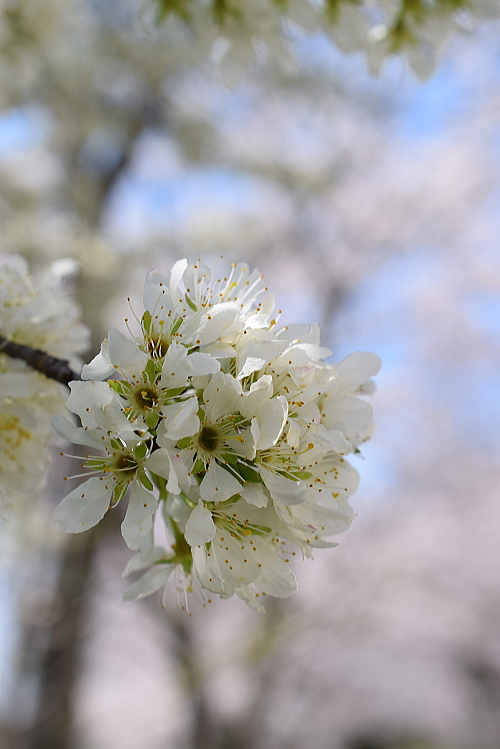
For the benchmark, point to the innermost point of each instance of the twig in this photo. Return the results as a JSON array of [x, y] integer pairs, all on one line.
[[50, 366]]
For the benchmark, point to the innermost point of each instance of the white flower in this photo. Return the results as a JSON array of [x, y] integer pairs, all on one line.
[[236, 427], [122, 469]]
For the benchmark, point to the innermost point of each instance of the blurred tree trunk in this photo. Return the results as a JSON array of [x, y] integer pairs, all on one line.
[[59, 667]]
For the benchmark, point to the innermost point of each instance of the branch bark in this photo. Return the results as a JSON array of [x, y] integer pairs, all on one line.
[[50, 366]]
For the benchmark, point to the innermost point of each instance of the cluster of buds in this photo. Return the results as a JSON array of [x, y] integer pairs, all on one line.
[[226, 427]]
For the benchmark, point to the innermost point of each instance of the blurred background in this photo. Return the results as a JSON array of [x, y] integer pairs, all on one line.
[[371, 206]]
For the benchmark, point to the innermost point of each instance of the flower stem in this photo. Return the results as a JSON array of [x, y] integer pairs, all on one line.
[[50, 366]]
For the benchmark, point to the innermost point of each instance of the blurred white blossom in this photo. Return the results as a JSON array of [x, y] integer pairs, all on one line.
[[415, 31], [40, 313]]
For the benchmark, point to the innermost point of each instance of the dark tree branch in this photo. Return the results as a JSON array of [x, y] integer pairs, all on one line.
[[50, 366]]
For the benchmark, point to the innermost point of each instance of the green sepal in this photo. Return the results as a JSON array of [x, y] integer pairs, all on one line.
[[160, 483], [172, 392], [303, 475], [190, 303], [145, 481], [229, 458], [183, 443], [151, 420], [248, 474], [150, 371], [94, 463], [287, 475], [147, 322], [116, 385], [118, 493], [199, 466], [175, 327], [140, 451]]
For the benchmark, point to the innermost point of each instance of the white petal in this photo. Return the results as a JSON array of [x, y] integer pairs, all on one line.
[[354, 370], [350, 415], [203, 364], [271, 416], [255, 430], [200, 528], [195, 274], [138, 519], [125, 354], [179, 476], [275, 579], [144, 559], [79, 435], [175, 370], [213, 323], [221, 396], [285, 490], [303, 333], [246, 594], [301, 354], [244, 444], [257, 321], [266, 350], [218, 484], [181, 419], [176, 275], [260, 391], [84, 506], [98, 369], [293, 434], [324, 440], [205, 575], [254, 494], [302, 376], [84, 395], [153, 290], [250, 365], [159, 463], [149, 583], [112, 419]]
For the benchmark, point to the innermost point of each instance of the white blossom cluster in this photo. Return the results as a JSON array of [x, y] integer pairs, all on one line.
[[415, 30], [39, 313], [228, 427]]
